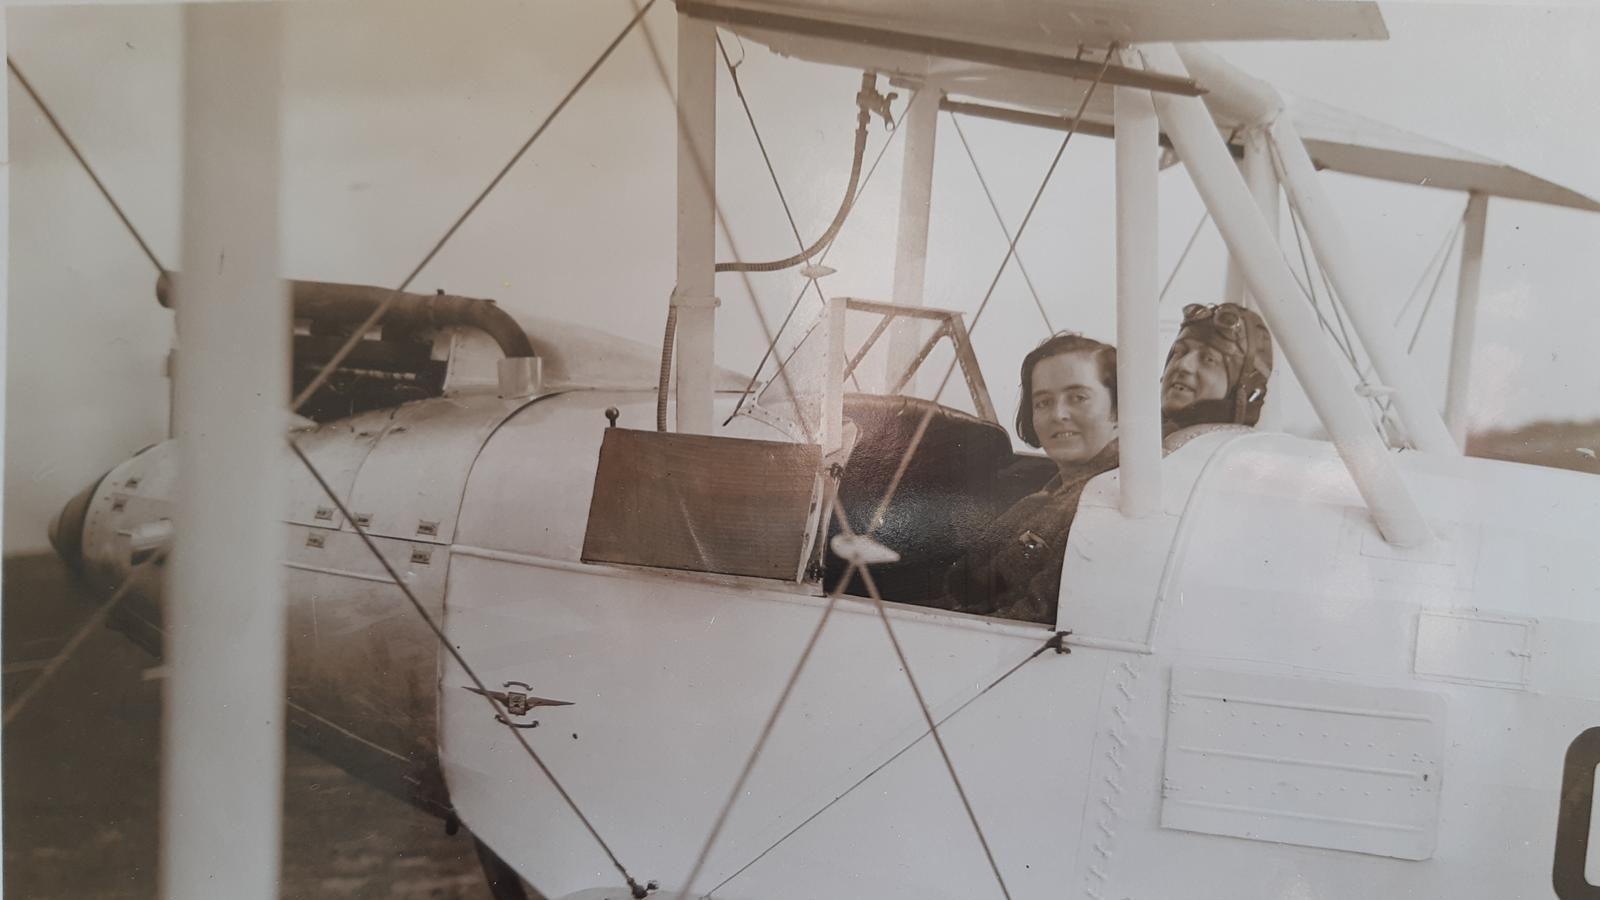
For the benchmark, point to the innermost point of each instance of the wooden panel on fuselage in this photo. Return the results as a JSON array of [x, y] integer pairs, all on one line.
[[702, 503]]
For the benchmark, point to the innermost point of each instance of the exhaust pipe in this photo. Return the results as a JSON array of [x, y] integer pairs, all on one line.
[[352, 303]]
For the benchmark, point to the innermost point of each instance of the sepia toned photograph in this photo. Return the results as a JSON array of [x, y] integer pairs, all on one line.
[[801, 449]]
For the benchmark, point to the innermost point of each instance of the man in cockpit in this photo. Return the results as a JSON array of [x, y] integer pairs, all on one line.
[[1217, 368]]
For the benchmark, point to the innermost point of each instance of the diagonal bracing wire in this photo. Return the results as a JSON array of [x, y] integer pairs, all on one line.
[[905, 460], [88, 170], [1001, 220], [766, 733], [1011, 249], [1433, 292], [811, 280], [922, 704], [1438, 259], [738, 89], [106, 608], [84, 163], [927, 416], [1347, 346], [1178, 266], [501, 712], [794, 306], [78, 637], [709, 183], [1057, 642], [360, 332], [17, 706]]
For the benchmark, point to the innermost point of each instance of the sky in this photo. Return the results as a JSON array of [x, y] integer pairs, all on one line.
[[397, 113]]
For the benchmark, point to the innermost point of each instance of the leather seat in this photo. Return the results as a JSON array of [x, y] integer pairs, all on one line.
[[962, 476]]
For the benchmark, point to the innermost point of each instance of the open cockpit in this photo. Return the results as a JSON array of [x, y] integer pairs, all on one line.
[[915, 478]]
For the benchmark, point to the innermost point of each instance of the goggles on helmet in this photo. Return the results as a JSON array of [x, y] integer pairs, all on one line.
[[1222, 317]]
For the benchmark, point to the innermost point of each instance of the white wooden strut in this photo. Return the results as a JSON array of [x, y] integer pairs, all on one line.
[[1459, 386], [921, 122], [695, 294], [222, 724], [1255, 101], [1138, 154], [1294, 325]]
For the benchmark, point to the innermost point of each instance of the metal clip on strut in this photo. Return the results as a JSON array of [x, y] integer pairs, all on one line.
[[870, 101]]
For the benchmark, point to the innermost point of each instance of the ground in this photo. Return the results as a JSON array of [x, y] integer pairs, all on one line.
[[1561, 445], [81, 764]]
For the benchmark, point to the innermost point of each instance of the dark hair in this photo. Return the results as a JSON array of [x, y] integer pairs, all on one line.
[[1063, 344]]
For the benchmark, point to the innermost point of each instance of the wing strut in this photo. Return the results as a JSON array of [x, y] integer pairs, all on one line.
[[223, 703], [1223, 189], [1460, 383]]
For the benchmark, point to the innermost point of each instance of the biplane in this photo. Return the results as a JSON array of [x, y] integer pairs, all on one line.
[[641, 623]]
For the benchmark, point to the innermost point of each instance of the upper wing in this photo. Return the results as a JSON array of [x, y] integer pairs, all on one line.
[[1346, 142], [1058, 26]]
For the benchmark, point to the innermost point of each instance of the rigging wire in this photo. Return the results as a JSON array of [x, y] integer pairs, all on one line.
[[1057, 642], [1011, 249], [503, 715], [922, 704], [738, 89], [360, 332], [766, 732], [857, 154], [1177, 266], [851, 195], [1436, 260], [76, 640], [78, 637], [1433, 292], [927, 416], [911, 449], [1378, 402], [720, 218], [1346, 349], [1000, 219], [793, 307], [1348, 346], [88, 170]]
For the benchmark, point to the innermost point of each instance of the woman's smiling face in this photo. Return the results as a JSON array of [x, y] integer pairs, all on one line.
[[1072, 410]]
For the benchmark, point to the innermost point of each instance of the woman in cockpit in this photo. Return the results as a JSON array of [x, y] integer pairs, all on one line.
[[1068, 409]]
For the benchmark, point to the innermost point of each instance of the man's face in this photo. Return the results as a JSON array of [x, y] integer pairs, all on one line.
[[1196, 372]]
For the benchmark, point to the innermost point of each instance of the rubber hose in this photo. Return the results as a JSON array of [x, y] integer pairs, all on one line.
[[839, 217], [667, 340]]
